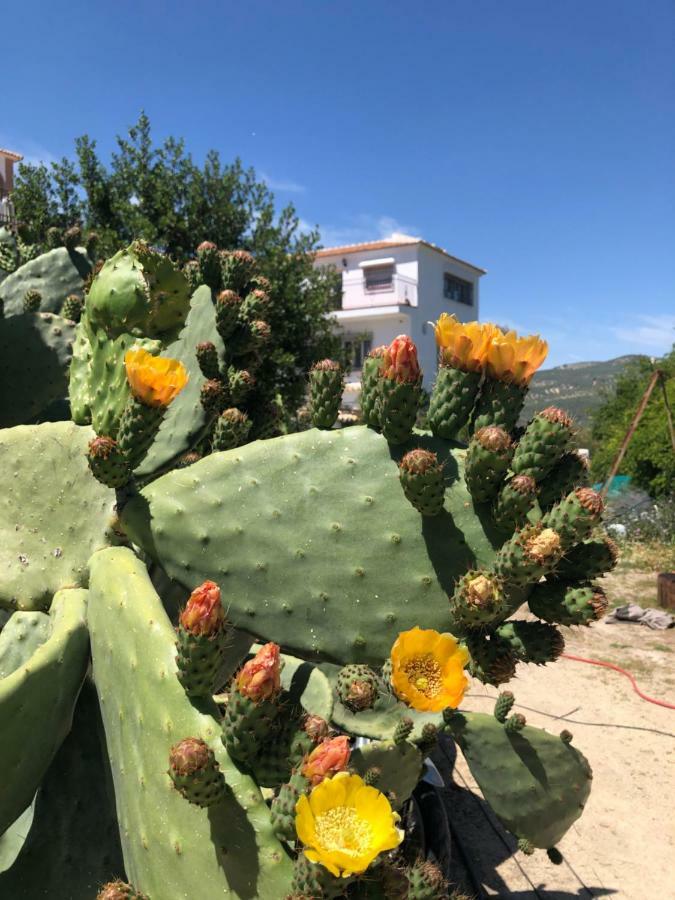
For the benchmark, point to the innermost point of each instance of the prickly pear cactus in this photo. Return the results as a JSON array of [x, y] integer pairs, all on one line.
[[54, 274], [304, 591]]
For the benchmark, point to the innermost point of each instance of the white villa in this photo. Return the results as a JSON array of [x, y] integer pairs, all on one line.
[[7, 160], [397, 286]]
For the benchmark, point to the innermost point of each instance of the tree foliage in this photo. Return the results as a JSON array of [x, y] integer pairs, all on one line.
[[650, 459], [160, 194]]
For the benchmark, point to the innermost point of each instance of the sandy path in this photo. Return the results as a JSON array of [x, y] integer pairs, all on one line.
[[624, 844]]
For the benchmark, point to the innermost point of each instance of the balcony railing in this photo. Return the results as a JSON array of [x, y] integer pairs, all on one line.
[[398, 290], [6, 210]]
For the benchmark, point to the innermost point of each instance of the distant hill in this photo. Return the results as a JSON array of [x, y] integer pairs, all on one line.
[[577, 387]]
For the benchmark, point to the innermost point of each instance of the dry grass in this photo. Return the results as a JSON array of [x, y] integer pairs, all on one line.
[[653, 556]]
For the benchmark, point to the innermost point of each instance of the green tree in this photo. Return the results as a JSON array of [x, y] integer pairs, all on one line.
[[650, 459], [160, 194]]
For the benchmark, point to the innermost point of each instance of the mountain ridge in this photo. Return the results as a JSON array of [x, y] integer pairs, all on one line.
[[577, 387]]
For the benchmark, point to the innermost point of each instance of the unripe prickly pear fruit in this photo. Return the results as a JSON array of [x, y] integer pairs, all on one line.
[[72, 237], [492, 660], [589, 559], [54, 237], [195, 772], [370, 391], [516, 499], [107, 462], [207, 357], [192, 274], [231, 429], [326, 384], [209, 264], [237, 270], [487, 460], [32, 301], [478, 599], [546, 438], [503, 705], [569, 472], [422, 481], [426, 882], [567, 604], [357, 687], [400, 386], [516, 722], [252, 711], [403, 730], [214, 396], [91, 243], [575, 517], [532, 642], [428, 739], [255, 305], [72, 307], [119, 890], [525, 846], [533, 551], [228, 306], [201, 640], [327, 759], [240, 382]]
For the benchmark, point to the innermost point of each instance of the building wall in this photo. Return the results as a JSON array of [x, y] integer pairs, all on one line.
[[418, 272], [404, 287]]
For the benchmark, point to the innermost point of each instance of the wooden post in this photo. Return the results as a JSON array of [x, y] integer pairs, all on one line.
[[669, 415], [631, 431]]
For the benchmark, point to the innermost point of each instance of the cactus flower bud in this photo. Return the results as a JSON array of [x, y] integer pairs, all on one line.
[[316, 728], [203, 613], [400, 360], [260, 678], [329, 758], [189, 756]]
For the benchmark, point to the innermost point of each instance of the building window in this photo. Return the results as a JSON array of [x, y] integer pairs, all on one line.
[[458, 290], [356, 349], [379, 278]]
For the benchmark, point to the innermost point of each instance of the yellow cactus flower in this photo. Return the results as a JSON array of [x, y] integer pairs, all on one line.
[[345, 824], [515, 359], [427, 669], [464, 345], [154, 380]]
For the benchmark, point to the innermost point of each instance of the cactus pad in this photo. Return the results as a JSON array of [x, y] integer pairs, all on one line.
[[50, 528]]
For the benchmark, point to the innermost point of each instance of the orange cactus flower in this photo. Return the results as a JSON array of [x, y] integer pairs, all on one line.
[[260, 677], [427, 669], [515, 359], [330, 757], [464, 345], [154, 380], [203, 613], [400, 360]]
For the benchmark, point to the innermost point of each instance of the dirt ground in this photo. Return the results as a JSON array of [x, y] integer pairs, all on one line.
[[623, 846]]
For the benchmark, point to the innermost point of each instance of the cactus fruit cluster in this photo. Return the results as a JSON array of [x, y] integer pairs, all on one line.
[[231, 607]]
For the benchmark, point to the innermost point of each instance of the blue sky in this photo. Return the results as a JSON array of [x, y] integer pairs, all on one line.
[[534, 138]]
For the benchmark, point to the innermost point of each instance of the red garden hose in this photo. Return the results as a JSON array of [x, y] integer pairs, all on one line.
[[607, 665]]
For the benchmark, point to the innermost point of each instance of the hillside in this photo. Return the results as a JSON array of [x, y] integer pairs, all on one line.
[[576, 387]]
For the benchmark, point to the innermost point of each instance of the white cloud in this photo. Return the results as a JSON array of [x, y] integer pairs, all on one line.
[[286, 185], [656, 333], [363, 227]]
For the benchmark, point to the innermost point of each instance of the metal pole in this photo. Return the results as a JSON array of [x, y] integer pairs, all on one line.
[[631, 431]]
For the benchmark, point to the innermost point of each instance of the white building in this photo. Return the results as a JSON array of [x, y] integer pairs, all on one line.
[[397, 286], [7, 160]]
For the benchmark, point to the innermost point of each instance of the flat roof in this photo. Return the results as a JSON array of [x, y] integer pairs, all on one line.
[[398, 241]]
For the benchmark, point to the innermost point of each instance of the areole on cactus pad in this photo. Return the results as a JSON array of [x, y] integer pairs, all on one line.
[[388, 559]]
